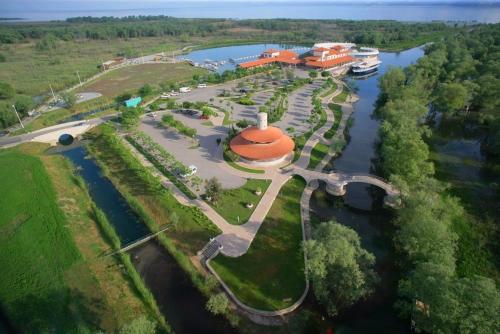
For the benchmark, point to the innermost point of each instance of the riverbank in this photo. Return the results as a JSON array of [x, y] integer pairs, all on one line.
[[69, 282]]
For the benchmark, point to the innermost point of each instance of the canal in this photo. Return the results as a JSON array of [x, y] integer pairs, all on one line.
[[362, 209], [179, 300]]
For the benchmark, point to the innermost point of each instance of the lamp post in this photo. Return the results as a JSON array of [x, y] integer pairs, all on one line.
[[17, 114], [80, 80]]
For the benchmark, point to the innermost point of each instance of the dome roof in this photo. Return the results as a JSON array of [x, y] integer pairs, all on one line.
[[266, 151], [256, 135]]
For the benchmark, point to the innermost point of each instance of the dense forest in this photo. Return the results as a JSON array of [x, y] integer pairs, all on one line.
[[450, 282], [377, 33]]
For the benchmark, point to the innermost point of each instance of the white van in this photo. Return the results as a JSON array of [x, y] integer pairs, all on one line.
[[184, 89], [202, 85]]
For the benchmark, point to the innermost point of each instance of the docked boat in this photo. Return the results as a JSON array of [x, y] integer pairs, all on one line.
[[364, 52], [365, 67]]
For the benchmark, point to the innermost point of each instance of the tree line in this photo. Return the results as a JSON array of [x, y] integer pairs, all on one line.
[[378, 33], [458, 76]]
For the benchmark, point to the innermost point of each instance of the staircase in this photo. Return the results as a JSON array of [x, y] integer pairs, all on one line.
[[210, 250]]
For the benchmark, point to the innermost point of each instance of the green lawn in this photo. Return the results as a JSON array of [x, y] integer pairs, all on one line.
[[341, 98], [337, 113], [330, 91], [270, 275], [244, 169], [50, 242], [37, 249], [131, 78], [317, 154], [231, 204]]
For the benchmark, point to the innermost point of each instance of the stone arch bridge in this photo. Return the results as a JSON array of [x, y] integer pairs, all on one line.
[[336, 183]]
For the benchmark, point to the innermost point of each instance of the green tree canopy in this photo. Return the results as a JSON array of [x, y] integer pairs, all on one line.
[[6, 91], [69, 99], [340, 269]]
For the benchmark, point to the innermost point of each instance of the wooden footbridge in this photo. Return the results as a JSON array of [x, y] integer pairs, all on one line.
[[140, 241]]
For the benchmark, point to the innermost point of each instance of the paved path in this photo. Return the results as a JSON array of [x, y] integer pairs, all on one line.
[[347, 110]]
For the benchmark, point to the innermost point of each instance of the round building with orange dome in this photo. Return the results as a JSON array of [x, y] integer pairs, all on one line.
[[262, 145]]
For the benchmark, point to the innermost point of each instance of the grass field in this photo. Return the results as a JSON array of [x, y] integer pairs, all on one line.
[[317, 154], [49, 243], [31, 71], [231, 204], [131, 78], [270, 275]]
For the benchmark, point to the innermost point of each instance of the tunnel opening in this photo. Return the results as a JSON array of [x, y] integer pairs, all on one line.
[[66, 139]]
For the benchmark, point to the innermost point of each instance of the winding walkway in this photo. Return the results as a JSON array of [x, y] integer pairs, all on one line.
[[235, 240]]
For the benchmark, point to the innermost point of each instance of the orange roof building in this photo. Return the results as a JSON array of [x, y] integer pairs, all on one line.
[[322, 58], [273, 56], [262, 145]]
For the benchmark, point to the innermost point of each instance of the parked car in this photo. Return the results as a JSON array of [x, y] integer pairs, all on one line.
[[174, 93], [165, 95], [202, 85], [192, 169], [184, 89]]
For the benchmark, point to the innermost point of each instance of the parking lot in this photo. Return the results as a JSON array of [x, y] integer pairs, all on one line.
[[204, 152]]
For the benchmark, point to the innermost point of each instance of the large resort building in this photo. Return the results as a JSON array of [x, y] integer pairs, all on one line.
[[273, 56], [322, 58], [262, 145]]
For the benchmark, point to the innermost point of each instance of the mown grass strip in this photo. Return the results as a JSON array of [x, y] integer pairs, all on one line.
[[317, 154]]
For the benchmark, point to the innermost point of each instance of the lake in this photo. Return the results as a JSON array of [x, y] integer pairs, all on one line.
[[60, 10]]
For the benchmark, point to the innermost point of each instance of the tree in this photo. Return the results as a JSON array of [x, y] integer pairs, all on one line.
[[325, 74], [23, 104], [2, 58], [340, 269], [313, 74], [130, 117], [451, 97], [69, 99], [141, 325], [218, 304], [213, 189], [146, 90], [6, 91]]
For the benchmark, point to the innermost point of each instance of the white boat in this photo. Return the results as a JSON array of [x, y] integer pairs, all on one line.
[[364, 52], [365, 67]]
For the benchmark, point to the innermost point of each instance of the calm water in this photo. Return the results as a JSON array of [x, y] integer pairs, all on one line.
[[361, 209], [107, 198], [181, 303], [58, 10], [235, 52]]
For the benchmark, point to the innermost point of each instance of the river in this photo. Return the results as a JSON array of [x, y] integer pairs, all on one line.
[[179, 300], [362, 209], [350, 10]]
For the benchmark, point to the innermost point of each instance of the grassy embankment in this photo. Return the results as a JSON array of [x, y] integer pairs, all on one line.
[[232, 202], [60, 115], [153, 203], [337, 115], [317, 154], [54, 277], [270, 275]]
